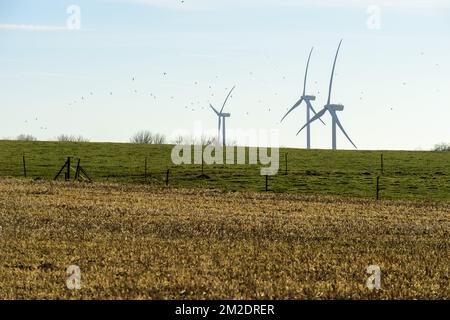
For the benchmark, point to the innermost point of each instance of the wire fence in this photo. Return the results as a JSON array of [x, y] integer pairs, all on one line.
[[382, 181]]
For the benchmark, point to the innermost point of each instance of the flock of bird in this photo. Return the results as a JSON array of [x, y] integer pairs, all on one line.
[[192, 106]]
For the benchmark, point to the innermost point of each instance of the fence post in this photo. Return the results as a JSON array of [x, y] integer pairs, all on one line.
[[67, 163], [24, 166], [203, 163], [167, 177], [68, 169], [145, 170], [267, 182], [286, 160], [378, 188], [77, 171]]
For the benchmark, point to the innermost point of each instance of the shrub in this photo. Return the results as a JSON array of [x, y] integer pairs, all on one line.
[[178, 140], [442, 147], [71, 138], [147, 137], [204, 140], [159, 139], [26, 137]]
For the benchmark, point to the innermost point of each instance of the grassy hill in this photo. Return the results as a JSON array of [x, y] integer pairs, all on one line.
[[407, 175]]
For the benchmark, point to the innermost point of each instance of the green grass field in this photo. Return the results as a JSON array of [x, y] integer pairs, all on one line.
[[410, 175]]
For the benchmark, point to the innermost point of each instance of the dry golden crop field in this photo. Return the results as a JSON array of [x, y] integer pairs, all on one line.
[[145, 242]]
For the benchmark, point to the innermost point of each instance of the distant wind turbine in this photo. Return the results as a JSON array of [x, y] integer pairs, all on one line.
[[309, 107], [331, 108], [222, 116]]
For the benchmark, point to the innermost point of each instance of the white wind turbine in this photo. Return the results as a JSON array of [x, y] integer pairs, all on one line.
[[331, 108], [222, 116], [309, 107]]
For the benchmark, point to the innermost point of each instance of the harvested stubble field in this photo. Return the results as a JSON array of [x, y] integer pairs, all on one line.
[[146, 242]]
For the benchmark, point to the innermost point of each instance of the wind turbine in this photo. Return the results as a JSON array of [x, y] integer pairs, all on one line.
[[309, 107], [331, 108], [222, 116]]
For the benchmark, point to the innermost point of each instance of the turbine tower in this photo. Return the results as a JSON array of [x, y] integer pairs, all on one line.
[[331, 108], [222, 116], [309, 107]]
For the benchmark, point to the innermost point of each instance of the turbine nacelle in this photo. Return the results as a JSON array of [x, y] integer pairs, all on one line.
[[310, 98], [334, 107], [225, 115]]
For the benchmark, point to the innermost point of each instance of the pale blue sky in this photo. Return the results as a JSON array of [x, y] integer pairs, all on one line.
[[394, 82]]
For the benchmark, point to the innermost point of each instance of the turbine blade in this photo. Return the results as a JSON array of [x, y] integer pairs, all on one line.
[[306, 72], [220, 122], [334, 115], [217, 112], [299, 102], [229, 94], [317, 116], [314, 111], [332, 73]]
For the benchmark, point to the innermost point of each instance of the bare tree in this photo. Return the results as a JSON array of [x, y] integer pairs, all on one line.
[[26, 137], [159, 139], [442, 147], [147, 137], [178, 140], [204, 140], [207, 140], [71, 138], [142, 137]]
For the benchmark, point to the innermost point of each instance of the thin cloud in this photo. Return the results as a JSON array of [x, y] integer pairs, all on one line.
[[29, 27], [54, 75]]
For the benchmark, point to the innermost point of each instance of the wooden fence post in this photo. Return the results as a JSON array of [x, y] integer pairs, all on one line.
[[145, 170], [378, 188], [24, 167], [203, 163], [267, 182], [68, 169], [77, 171], [286, 160], [67, 163]]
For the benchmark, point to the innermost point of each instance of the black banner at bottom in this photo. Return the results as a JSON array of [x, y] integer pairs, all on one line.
[[221, 309]]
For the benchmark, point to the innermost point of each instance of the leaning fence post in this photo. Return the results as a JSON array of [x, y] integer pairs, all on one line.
[[77, 171], [24, 166], [61, 170], [167, 177]]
